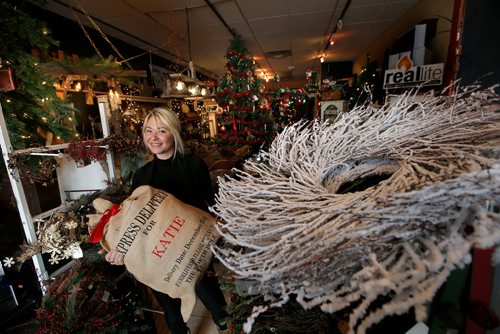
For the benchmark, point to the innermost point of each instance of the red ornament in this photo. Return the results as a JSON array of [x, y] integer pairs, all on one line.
[[8, 80]]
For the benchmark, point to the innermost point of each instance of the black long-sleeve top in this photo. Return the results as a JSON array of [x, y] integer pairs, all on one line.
[[186, 177]]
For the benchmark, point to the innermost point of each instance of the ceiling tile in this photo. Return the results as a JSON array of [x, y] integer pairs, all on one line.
[[361, 14], [309, 21], [310, 6], [264, 26], [147, 6], [202, 17], [257, 9], [137, 24], [229, 11], [392, 12]]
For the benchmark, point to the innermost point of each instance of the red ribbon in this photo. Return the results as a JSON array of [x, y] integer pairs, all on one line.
[[240, 121], [98, 232], [234, 125]]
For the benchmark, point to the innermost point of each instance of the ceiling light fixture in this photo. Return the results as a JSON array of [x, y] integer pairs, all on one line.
[[188, 86], [180, 85], [338, 26]]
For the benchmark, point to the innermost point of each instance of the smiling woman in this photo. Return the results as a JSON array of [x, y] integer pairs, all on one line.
[[158, 138], [186, 177]]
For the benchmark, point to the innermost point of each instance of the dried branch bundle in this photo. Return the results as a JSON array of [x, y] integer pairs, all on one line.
[[290, 226]]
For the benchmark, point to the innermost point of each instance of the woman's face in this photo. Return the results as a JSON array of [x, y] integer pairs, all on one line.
[[159, 139]]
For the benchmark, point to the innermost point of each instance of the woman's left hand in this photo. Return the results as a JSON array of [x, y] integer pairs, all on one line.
[[114, 257]]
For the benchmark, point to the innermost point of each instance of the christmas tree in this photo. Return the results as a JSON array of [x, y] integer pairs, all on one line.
[[289, 106], [245, 118], [27, 95], [364, 91]]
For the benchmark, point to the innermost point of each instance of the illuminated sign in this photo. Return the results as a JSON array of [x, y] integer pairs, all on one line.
[[406, 75]]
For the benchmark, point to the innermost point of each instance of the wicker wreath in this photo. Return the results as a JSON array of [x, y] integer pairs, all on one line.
[[382, 203]]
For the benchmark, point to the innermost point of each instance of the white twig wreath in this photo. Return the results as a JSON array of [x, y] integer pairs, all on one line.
[[291, 225]]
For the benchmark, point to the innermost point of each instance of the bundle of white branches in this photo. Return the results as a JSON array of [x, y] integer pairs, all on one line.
[[289, 224]]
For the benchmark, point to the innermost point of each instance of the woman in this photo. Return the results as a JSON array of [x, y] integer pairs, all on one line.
[[185, 176]]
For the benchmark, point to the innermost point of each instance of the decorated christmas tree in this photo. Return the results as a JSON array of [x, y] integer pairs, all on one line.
[[27, 95], [245, 118], [366, 85], [288, 106]]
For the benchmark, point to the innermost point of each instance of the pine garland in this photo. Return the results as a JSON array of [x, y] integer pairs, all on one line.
[[33, 107], [87, 151], [39, 169], [85, 299], [290, 318]]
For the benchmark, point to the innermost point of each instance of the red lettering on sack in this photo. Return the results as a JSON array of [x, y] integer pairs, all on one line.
[[158, 252], [168, 236], [165, 243]]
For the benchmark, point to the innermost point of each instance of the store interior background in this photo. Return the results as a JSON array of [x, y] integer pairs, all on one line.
[[476, 57], [285, 37]]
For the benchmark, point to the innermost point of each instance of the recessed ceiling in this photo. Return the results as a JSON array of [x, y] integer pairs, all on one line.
[[269, 27]]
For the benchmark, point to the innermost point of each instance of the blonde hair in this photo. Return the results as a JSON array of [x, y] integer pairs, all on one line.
[[168, 118]]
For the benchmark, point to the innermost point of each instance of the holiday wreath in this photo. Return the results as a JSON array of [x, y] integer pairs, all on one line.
[[382, 203]]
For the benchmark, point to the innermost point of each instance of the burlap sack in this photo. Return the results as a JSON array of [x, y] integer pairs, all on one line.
[[165, 242]]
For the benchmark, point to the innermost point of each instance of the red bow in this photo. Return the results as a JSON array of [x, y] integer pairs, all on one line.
[[98, 232]]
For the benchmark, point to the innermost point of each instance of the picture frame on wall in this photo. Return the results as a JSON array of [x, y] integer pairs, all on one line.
[[330, 110]]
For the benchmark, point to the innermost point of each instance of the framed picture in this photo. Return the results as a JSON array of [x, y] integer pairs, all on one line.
[[330, 110]]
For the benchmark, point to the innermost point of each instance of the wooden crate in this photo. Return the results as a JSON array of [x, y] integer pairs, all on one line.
[[331, 95]]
